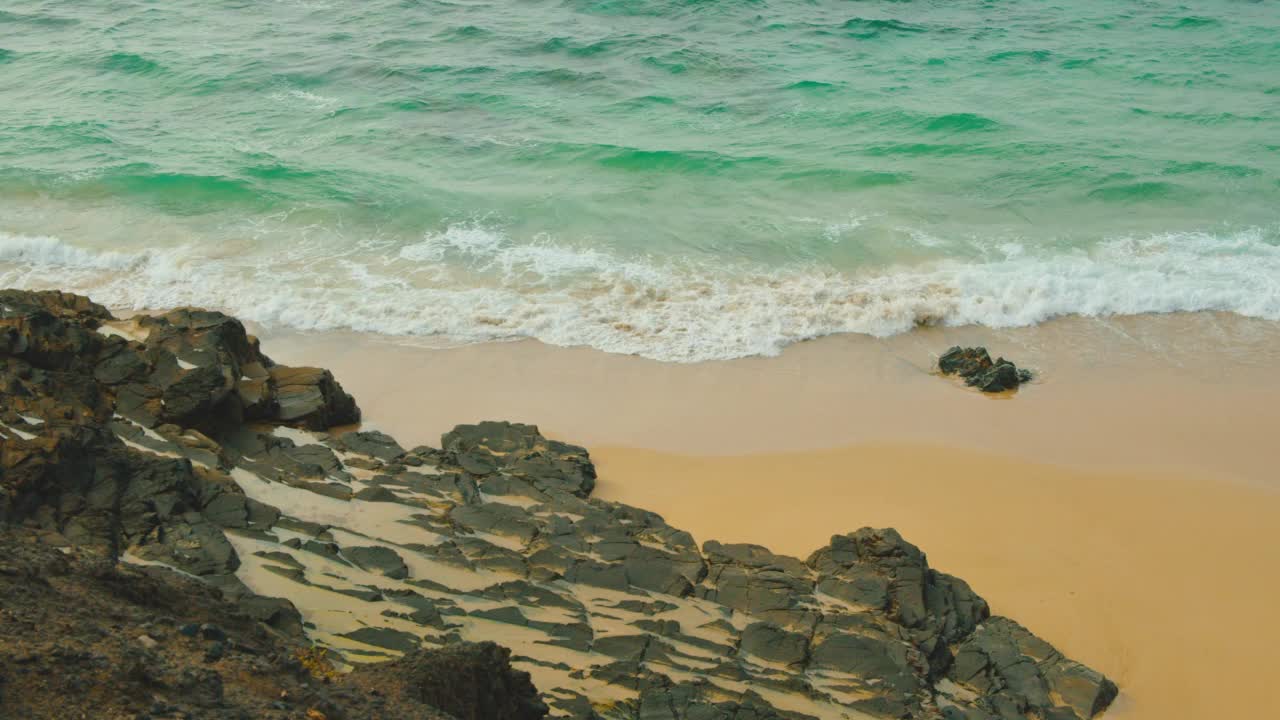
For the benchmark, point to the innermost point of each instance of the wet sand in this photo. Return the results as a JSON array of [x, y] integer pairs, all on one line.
[[1126, 506]]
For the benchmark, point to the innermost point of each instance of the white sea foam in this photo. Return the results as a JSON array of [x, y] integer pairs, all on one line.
[[317, 102], [44, 251], [472, 283]]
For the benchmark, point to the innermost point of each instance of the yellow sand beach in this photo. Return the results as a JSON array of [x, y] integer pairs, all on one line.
[[1125, 506]]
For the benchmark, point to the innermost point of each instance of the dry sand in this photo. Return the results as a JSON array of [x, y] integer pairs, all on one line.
[[1126, 506], [1166, 584]]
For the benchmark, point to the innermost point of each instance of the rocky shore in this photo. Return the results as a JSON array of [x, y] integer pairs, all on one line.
[[189, 533]]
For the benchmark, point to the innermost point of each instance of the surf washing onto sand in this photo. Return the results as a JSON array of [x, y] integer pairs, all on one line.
[[683, 181]]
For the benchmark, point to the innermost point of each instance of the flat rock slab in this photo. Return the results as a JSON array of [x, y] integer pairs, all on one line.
[[377, 558]]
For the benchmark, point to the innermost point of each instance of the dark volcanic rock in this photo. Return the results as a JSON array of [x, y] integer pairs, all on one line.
[[978, 370], [114, 448], [385, 638], [934, 608], [378, 559], [1010, 667], [376, 494], [964, 362], [753, 580], [51, 329], [371, 442], [311, 398], [522, 451], [191, 544], [772, 643], [80, 637], [471, 681]]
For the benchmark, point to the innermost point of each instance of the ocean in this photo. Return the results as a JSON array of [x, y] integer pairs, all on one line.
[[680, 179]]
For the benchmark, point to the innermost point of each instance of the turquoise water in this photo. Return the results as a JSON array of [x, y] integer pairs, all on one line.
[[685, 180]]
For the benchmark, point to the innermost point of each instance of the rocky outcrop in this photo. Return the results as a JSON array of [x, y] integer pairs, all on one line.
[[143, 449], [977, 369], [190, 368], [83, 637], [1021, 674], [307, 397], [520, 451], [470, 681]]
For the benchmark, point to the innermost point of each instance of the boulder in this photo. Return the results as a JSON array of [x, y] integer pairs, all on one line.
[[377, 559], [310, 398], [752, 580], [371, 442], [964, 361], [887, 659], [520, 450], [191, 544], [376, 494], [1006, 665], [652, 569], [385, 638], [977, 369], [496, 518], [774, 644], [469, 681], [62, 305], [872, 565], [206, 338]]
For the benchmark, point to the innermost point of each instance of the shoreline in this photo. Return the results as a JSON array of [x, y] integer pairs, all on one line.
[[185, 446], [1187, 393], [1079, 506], [1159, 579]]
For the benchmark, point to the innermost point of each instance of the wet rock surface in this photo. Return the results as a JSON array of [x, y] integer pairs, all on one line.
[[170, 448], [978, 370]]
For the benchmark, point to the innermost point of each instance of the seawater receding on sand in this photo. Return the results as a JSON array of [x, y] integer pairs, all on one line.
[[694, 309], [1097, 381]]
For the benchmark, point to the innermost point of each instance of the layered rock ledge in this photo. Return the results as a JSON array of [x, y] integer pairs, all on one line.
[[173, 441]]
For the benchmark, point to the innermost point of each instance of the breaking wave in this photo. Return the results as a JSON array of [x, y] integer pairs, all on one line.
[[472, 283]]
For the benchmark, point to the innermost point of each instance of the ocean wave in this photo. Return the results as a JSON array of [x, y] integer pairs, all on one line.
[[960, 122], [130, 63], [44, 253], [1135, 192], [36, 19], [473, 283], [865, 29], [309, 99]]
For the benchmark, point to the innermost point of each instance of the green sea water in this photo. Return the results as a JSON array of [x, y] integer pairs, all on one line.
[[682, 179]]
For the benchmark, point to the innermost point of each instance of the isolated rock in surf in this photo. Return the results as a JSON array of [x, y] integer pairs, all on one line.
[[976, 367]]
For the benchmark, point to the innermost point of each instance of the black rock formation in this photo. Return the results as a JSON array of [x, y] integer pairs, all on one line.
[[153, 451], [978, 370]]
